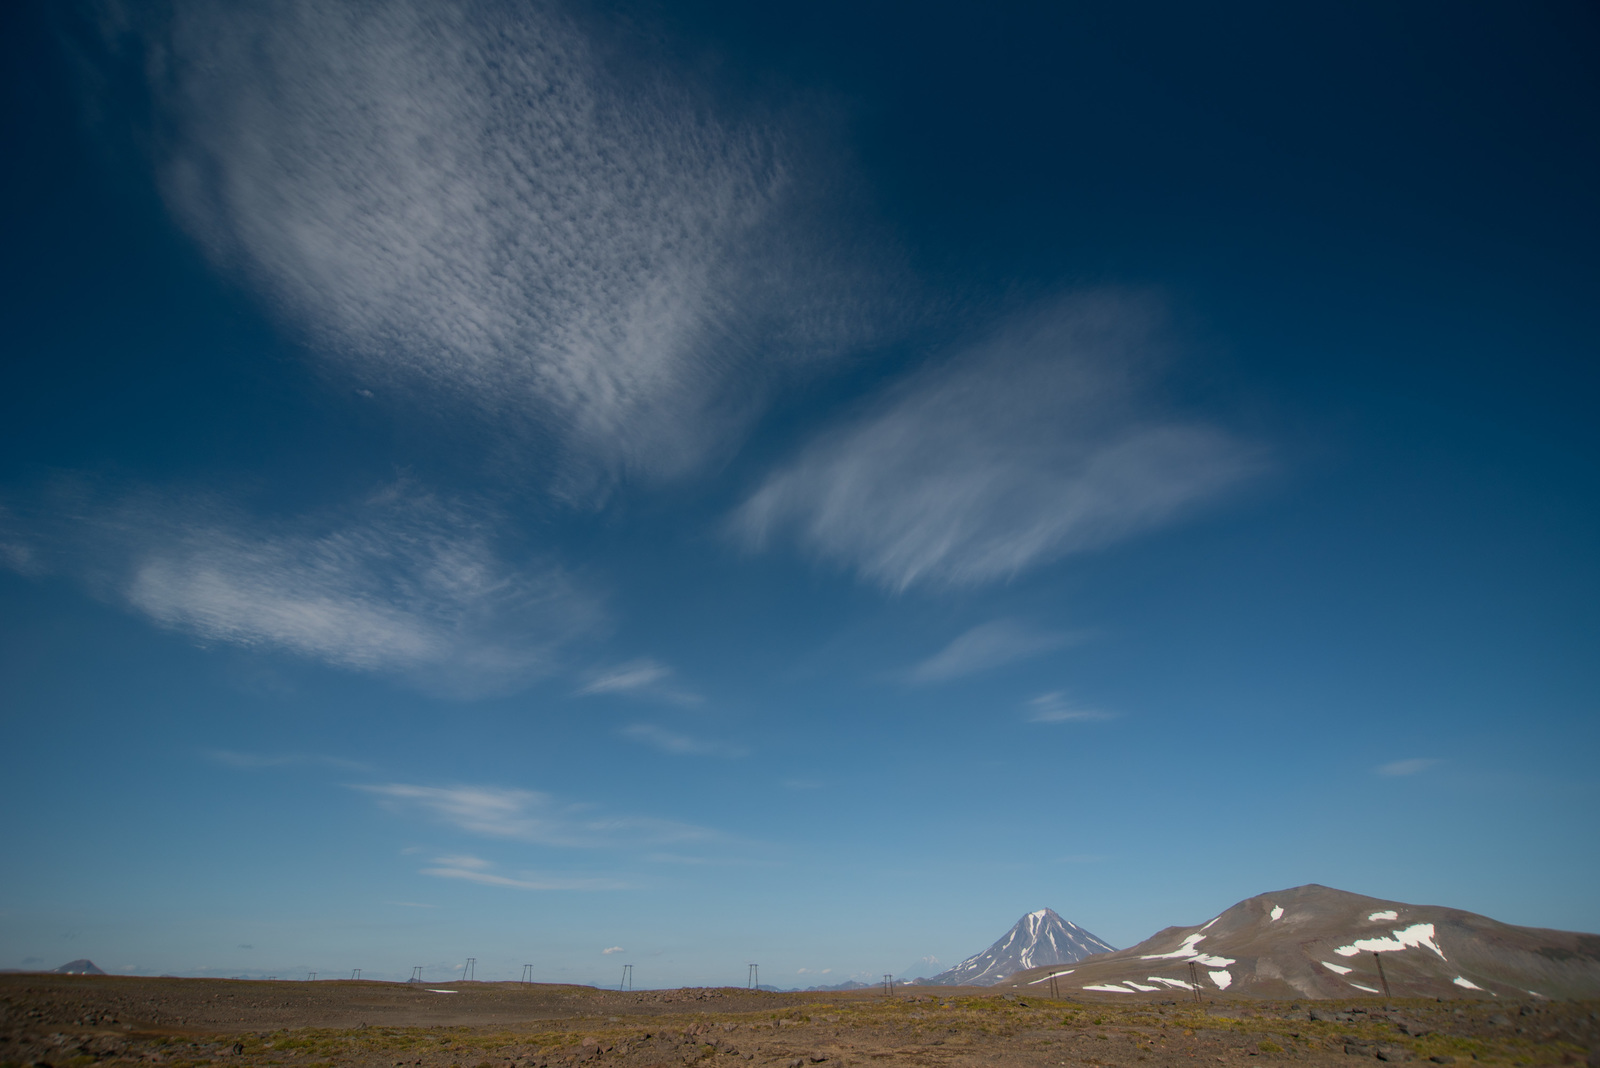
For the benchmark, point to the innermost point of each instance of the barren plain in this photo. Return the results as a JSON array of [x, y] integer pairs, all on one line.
[[63, 1020]]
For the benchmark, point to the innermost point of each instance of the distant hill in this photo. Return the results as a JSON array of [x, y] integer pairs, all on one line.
[[79, 967], [1317, 942], [921, 969], [1039, 938], [848, 984]]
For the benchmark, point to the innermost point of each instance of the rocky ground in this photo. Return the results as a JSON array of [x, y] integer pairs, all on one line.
[[81, 1020]]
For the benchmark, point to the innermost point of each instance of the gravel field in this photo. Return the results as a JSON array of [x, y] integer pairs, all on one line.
[[80, 1020]]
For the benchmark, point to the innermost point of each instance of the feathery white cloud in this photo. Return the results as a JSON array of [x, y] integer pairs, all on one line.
[[1041, 441], [531, 816], [610, 950], [1055, 708], [284, 760], [476, 870], [402, 583], [680, 744], [988, 645], [1413, 766], [638, 678], [460, 200]]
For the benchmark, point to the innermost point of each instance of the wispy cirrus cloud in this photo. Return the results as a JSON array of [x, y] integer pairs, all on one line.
[[401, 583], [680, 744], [1042, 440], [639, 678], [534, 817], [988, 645], [477, 870], [1055, 708], [1413, 766], [284, 760], [467, 201]]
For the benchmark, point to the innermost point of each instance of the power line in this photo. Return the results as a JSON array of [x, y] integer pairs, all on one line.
[[355, 973], [527, 973], [469, 970], [755, 977], [627, 978]]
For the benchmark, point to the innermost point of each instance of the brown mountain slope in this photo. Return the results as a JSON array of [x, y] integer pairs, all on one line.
[[1317, 942]]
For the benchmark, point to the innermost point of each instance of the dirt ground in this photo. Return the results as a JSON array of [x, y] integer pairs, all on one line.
[[62, 1020]]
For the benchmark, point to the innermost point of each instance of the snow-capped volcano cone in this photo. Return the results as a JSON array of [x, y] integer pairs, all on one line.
[[1039, 938]]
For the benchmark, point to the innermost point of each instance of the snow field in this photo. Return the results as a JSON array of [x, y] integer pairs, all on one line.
[[1187, 952], [1418, 934]]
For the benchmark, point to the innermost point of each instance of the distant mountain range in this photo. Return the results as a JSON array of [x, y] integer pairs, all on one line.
[[1039, 938], [1317, 942]]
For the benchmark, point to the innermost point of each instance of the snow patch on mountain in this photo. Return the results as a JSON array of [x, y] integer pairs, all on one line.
[[1418, 934], [1187, 952]]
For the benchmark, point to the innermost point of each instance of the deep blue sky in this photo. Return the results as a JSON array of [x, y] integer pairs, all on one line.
[[693, 484]]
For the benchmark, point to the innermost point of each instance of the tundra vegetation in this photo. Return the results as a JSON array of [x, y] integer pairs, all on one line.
[[186, 1023]]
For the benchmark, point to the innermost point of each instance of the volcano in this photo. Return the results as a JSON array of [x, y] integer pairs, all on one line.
[[1039, 938]]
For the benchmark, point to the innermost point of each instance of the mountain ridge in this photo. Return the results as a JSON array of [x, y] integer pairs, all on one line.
[[1315, 941]]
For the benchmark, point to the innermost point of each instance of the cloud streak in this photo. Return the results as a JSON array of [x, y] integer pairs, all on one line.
[[534, 817], [1041, 441], [462, 201], [988, 645], [1055, 708], [1414, 766], [638, 678], [477, 870], [680, 744], [285, 760], [402, 583]]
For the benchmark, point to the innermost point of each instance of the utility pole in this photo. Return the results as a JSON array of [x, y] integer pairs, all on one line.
[[1055, 991], [1194, 980], [416, 974], [888, 983], [469, 970], [1383, 980], [311, 977], [355, 973], [627, 978], [754, 978], [527, 974]]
